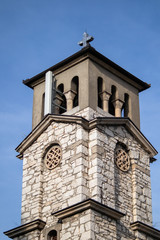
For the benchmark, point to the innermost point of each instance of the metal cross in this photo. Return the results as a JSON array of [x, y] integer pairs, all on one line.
[[86, 39]]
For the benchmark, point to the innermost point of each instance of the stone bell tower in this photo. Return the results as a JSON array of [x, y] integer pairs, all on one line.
[[86, 164]]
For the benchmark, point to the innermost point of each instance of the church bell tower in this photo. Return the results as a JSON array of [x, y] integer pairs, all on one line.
[[86, 164]]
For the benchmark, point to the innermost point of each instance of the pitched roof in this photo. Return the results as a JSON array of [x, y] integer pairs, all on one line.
[[89, 52]]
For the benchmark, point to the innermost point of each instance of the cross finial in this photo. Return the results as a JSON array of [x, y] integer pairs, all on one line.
[[86, 39]]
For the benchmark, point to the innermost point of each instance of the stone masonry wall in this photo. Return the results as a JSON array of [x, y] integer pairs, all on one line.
[[103, 227], [77, 227], [128, 192], [87, 170], [30, 236], [46, 190], [88, 225], [142, 236]]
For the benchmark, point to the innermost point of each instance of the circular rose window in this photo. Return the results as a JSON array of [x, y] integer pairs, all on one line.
[[122, 159], [53, 157]]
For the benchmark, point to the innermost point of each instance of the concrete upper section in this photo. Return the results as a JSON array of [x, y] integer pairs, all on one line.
[[90, 51], [88, 79]]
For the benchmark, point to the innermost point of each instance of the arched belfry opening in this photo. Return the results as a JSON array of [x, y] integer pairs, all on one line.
[[125, 107], [75, 90], [112, 99], [100, 90], [60, 100]]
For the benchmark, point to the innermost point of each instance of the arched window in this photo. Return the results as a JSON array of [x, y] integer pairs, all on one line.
[[100, 89], [62, 106], [75, 89], [125, 108], [53, 232], [112, 98], [52, 235]]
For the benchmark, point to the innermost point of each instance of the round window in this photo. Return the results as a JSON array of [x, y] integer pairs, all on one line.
[[53, 157], [122, 159]]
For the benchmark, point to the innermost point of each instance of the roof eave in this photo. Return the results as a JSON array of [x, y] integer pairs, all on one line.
[[91, 50]]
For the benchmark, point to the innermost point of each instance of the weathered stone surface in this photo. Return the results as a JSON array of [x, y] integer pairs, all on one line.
[[87, 170]]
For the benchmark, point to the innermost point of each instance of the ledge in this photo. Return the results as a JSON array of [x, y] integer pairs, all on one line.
[[88, 125], [148, 230], [85, 205], [37, 224], [46, 121], [130, 126], [91, 53]]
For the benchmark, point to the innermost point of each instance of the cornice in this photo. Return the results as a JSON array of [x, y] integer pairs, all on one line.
[[130, 126], [88, 125], [97, 57], [37, 224], [40, 128], [148, 230], [85, 205]]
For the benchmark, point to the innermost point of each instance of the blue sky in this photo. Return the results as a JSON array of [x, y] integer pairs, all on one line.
[[36, 34]]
